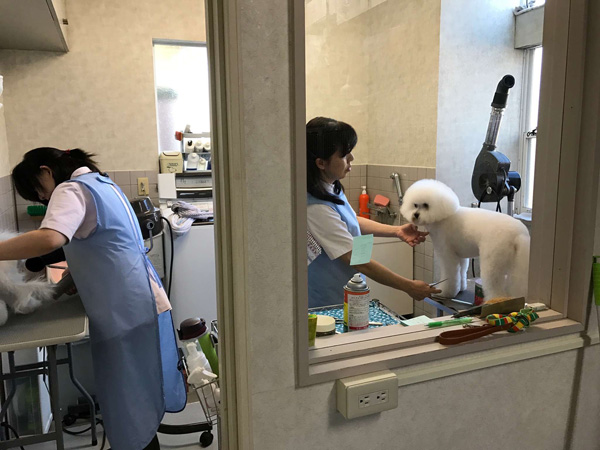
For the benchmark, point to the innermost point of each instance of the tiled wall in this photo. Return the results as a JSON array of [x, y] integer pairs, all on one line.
[[8, 221], [378, 181], [125, 179]]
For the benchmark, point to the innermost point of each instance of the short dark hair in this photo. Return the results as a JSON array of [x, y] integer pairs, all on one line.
[[324, 137], [62, 163]]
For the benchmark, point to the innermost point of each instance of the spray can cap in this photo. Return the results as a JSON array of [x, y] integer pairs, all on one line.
[[364, 188]]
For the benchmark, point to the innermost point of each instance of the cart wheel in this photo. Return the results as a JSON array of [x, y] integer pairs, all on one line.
[[206, 439], [69, 419]]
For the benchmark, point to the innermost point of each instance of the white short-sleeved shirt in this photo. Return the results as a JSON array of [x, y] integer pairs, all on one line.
[[328, 228], [72, 212]]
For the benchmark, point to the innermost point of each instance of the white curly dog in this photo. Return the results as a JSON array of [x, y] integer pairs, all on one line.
[[458, 233], [18, 293]]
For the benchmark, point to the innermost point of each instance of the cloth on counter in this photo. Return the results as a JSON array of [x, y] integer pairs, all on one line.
[[184, 215]]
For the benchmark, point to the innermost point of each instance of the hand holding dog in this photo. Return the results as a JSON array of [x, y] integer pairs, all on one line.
[[410, 234]]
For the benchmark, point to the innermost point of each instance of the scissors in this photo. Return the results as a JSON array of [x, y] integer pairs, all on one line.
[[437, 282]]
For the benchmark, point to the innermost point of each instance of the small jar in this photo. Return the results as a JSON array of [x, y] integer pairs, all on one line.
[[325, 325]]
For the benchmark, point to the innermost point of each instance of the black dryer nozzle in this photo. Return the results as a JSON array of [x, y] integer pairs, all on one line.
[[501, 95]]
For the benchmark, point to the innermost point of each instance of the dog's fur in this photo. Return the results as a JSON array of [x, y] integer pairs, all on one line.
[[18, 291], [458, 233]]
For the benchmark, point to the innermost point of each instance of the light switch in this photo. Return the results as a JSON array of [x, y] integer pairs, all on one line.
[[143, 187]]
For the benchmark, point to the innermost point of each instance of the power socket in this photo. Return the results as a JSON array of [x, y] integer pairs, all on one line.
[[367, 394], [373, 398]]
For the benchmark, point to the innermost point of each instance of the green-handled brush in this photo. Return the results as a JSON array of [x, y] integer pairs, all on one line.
[[36, 210], [596, 279]]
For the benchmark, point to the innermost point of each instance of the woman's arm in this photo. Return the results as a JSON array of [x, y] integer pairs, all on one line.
[[408, 233], [34, 243], [417, 289]]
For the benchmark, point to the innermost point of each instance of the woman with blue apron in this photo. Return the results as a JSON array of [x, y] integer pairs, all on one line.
[[333, 223], [133, 344]]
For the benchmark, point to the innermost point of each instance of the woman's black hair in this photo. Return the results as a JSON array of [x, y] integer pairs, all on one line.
[[62, 163], [324, 137]]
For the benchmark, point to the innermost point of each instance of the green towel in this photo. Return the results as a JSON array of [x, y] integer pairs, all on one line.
[[596, 279]]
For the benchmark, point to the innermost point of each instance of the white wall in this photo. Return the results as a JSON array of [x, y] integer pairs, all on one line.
[[546, 403], [375, 66], [100, 95], [4, 164], [476, 51]]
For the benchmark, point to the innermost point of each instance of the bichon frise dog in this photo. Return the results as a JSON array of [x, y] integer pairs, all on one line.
[[458, 233], [21, 296]]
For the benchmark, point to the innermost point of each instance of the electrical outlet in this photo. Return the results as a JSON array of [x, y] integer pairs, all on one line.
[[143, 187], [367, 394], [373, 398]]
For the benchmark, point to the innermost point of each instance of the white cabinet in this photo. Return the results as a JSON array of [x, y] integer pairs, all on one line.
[[398, 257], [33, 25]]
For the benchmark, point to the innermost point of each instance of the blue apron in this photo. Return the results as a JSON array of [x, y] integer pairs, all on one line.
[[327, 278], [111, 271]]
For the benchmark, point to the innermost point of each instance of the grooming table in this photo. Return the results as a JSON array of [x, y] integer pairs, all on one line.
[[378, 313], [61, 322], [446, 307]]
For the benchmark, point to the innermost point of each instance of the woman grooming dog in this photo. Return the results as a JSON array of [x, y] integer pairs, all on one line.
[[132, 337], [333, 223]]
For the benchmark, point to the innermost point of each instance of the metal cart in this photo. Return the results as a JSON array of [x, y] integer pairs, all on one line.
[[209, 401]]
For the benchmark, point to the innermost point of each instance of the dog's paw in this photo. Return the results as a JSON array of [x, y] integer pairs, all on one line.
[[448, 291]]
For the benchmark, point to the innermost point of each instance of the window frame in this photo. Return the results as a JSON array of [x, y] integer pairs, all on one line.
[[528, 56], [559, 257]]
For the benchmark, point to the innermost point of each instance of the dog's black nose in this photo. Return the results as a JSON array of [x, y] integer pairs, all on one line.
[[416, 215]]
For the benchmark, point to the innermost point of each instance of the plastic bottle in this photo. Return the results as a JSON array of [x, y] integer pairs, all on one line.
[[195, 359], [195, 328], [363, 203], [198, 366]]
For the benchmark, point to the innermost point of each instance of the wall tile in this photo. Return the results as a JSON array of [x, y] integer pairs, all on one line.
[[122, 178]]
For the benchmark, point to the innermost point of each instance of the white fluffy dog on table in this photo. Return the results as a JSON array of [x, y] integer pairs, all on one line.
[[16, 292], [458, 233]]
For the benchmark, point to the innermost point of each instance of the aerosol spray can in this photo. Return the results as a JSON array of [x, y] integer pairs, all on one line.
[[356, 304]]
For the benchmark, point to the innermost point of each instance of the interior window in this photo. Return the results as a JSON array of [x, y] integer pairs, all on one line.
[[532, 99], [416, 86], [182, 90]]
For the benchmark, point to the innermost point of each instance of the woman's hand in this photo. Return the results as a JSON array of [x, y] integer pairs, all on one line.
[[72, 290], [410, 234], [419, 290]]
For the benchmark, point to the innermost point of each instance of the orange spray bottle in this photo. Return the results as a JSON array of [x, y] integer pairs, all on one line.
[[363, 203]]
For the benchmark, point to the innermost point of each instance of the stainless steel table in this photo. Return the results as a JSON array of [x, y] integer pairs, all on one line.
[[61, 322]]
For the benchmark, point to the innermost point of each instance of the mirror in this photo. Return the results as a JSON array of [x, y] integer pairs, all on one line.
[[416, 81]]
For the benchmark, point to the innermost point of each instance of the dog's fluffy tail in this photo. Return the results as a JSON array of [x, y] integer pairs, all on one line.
[[520, 273]]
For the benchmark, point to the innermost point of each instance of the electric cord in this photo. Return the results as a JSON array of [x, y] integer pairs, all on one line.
[[9, 427], [172, 257], [149, 227]]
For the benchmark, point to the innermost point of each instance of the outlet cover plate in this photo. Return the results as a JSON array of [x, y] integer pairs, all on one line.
[[367, 394]]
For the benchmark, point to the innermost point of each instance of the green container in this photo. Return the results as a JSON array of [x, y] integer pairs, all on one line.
[[209, 351], [312, 329]]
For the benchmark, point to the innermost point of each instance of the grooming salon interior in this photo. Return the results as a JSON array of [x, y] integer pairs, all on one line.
[[198, 112]]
